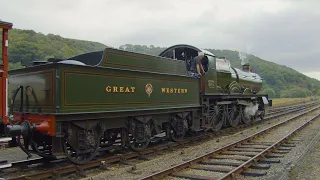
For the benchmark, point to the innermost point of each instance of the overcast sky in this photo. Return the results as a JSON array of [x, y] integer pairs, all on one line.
[[281, 31]]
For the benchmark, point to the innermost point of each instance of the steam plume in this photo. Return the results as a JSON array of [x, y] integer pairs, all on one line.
[[243, 57], [250, 110]]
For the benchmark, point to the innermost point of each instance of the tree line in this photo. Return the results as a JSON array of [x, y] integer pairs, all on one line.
[[279, 81]]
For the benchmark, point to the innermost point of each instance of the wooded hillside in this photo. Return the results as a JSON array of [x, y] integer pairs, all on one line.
[[279, 81]]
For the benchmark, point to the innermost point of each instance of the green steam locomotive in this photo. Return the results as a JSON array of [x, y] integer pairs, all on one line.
[[78, 106]]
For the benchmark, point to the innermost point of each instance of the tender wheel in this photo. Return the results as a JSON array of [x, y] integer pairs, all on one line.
[[138, 145], [233, 115], [86, 149], [77, 156], [140, 135], [176, 133]]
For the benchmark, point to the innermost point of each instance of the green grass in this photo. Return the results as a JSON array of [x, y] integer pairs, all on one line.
[[289, 101]]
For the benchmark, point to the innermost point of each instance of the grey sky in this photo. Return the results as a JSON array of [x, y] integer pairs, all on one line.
[[282, 31]]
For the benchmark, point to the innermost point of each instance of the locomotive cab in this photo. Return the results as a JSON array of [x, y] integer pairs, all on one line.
[[220, 76], [186, 53]]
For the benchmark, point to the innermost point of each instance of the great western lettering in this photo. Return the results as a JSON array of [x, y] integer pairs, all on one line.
[[174, 90], [120, 89]]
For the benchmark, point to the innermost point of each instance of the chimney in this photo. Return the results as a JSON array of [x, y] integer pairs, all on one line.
[[244, 62]]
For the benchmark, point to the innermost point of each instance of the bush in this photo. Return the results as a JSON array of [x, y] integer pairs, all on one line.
[[271, 93], [295, 93]]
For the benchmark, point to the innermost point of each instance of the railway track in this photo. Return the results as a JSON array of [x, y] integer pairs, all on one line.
[[291, 106], [283, 105], [4, 141], [250, 151], [119, 158]]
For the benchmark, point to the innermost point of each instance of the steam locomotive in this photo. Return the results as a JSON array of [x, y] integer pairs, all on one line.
[[78, 106]]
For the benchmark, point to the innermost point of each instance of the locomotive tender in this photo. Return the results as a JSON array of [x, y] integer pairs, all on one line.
[[78, 106]]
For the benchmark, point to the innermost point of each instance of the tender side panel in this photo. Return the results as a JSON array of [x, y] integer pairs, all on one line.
[[87, 89], [41, 98], [134, 61]]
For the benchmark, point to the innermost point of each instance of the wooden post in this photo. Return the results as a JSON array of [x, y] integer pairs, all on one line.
[[4, 72]]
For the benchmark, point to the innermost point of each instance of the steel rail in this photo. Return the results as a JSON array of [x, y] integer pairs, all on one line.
[[279, 109], [5, 144], [121, 157], [253, 160], [291, 104], [190, 163], [161, 147]]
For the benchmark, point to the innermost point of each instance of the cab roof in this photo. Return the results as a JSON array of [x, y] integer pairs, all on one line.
[[186, 46]]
